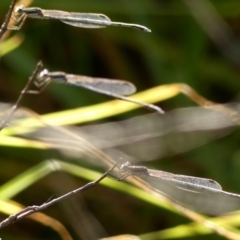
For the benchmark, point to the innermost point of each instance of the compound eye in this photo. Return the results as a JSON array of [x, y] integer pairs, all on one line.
[[43, 73]]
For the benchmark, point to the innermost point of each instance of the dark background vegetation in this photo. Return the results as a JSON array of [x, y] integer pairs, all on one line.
[[177, 50]]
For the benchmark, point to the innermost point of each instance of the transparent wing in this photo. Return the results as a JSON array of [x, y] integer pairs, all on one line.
[[88, 20], [100, 84], [185, 181], [96, 20], [155, 136], [212, 201]]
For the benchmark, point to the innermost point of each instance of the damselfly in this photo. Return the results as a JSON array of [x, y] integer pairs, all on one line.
[[202, 194], [83, 20], [110, 87]]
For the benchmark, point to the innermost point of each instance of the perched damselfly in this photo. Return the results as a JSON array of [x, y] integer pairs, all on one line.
[[110, 87], [202, 194], [83, 20]]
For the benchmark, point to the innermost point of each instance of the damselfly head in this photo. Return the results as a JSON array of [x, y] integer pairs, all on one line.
[[125, 167], [19, 9], [43, 73]]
